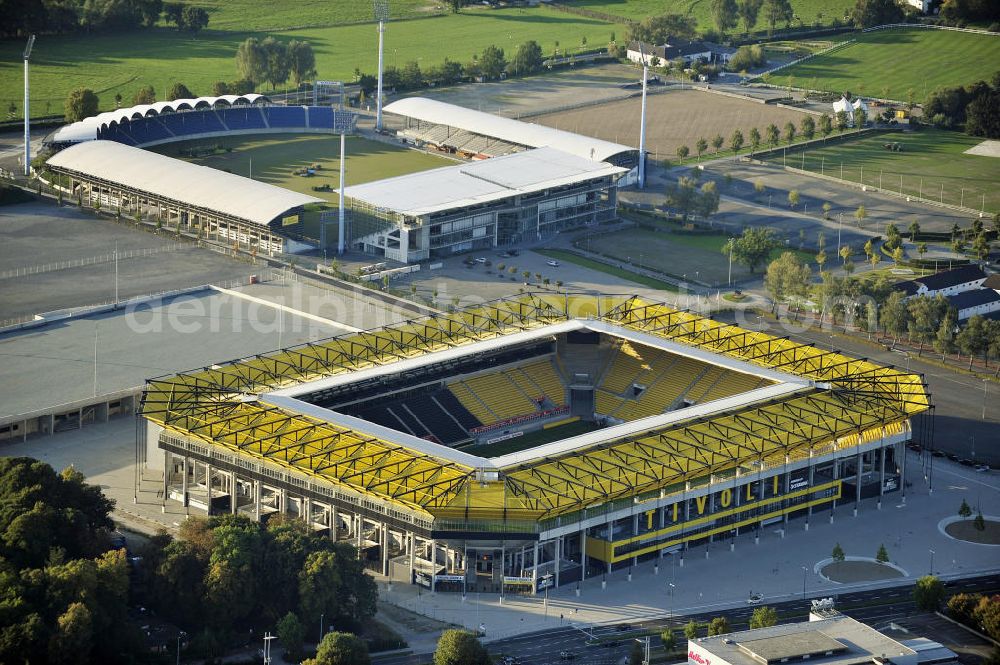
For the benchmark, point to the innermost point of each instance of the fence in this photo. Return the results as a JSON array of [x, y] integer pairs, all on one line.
[[826, 51], [90, 261], [890, 26]]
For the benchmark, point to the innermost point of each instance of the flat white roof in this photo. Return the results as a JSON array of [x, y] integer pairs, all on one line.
[[288, 398], [506, 129], [198, 186], [479, 182]]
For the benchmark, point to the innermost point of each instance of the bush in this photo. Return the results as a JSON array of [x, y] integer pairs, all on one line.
[[747, 57]]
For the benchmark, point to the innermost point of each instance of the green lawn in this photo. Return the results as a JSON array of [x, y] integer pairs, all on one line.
[[807, 10], [243, 15], [122, 63], [533, 439], [570, 257], [276, 156], [889, 63], [931, 163]]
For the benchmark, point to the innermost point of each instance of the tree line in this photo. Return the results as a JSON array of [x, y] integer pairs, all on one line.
[[69, 16], [977, 108]]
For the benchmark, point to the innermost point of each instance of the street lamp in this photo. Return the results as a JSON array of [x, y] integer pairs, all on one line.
[[931, 572], [181, 635], [804, 571], [672, 587], [267, 647]]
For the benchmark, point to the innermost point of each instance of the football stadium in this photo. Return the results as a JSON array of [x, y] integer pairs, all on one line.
[[532, 442]]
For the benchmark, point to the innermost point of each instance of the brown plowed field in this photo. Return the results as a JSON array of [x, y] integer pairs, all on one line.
[[675, 118]]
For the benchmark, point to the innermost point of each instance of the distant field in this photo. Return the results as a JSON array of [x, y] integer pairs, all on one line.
[[244, 15], [808, 11], [122, 63], [888, 63], [277, 155], [675, 118], [931, 159], [533, 439]]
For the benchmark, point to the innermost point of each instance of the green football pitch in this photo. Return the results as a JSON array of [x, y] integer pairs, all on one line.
[[931, 163], [122, 63], [890, 64]]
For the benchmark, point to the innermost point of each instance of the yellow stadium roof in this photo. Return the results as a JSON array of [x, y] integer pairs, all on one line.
[[843, 402]]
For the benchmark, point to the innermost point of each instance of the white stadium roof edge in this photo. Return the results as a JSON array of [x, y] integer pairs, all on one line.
[[474, 183], [505, 129], [86, 129], [196, 186]]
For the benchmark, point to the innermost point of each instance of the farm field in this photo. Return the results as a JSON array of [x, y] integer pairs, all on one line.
[[276, 156], [808, 11], [932, 163], [122, 63], [675, 118], [243, 15], [889, 63]]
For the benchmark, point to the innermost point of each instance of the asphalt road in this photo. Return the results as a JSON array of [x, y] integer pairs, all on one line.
[[873, 607]]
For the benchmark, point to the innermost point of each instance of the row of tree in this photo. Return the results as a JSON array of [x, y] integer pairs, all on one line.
[[273, 61], [976, 107], [67, 16], [83, 102]]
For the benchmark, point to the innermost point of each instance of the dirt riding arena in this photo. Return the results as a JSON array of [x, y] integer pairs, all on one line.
[[674, 118]]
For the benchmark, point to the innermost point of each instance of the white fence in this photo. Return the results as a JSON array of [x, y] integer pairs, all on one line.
[[91, 261], [890, 26]]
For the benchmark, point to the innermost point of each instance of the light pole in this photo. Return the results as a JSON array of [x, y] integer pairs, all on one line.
[[840, 226], [672, 587], [321, 617], [985, 384], [931, 572], [804, 571], [27, 111], [381, 8], [180, 636]]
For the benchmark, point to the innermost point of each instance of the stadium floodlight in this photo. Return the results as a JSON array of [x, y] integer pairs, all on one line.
[[27, 112], [381, 8], [642, 119]]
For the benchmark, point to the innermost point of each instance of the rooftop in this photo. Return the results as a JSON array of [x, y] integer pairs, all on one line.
[[197, 186], [943, 280], [506, 129], [838, 640], [973, 298], [479, 182]]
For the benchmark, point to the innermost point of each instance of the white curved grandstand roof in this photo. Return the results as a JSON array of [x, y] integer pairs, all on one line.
[[177, 180], [86, 129], [505, 129]]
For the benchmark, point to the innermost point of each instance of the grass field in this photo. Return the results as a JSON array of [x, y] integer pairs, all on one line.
[[122, 63], [889, 63], [675, 118], [931, 164], [533, 439], [808, 11], [243, 15], [570, 257], [275, 156]]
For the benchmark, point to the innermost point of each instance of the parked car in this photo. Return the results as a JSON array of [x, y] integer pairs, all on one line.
[[755, 599], [983, 468], [566, 655], [553, 263]]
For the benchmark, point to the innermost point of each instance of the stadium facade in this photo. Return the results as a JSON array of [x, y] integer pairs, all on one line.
[[436, 446]]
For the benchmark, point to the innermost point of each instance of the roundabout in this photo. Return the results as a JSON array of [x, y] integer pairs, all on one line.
[[858, 569]]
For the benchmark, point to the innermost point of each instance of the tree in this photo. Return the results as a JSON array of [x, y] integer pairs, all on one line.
[[754, 140], [456, 5], [981, 247], [340, 649], [821, 259], [251, 61], [725, 13], [825, 125], [845, 253], [179, 91], [775, 11], [964, 510], [683, 196], [763, 617], [333, 583], [173, 12], [979, 523], [882, 556], [410, 76], [527, 59], [657, 30], [460, 647], [736, 141], [220, 88], [748, 11], [860, 215], [701, 146], [869, 13], [492, 62], [708, 202], [808, 127], [71, 642], [962, 606], [719, 626], [746, 58], [81, 103], [972, 340], [895, 315], [717, 142], [683, 151], [860, 118], [838, 553], [145, 95], [793, 198], [636, 654], [841, 117], [301, 61], [195, 18], [926, 315], [790, 131], [277, 66], [691, 629], [752, 247], [928, 593], [291, 634], [669, 640], [914, 229], [771, 134], [897, 256]]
